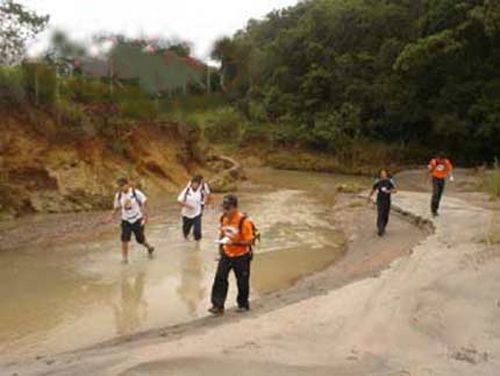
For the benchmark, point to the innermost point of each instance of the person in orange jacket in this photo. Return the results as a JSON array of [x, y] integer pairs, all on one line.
[[439, 168], [237, 236]]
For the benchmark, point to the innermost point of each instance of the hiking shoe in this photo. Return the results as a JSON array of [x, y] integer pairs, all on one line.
[[216, 311], [242, 309], [151, 251]]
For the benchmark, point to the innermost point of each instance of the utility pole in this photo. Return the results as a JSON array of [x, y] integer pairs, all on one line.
[[208, 80]]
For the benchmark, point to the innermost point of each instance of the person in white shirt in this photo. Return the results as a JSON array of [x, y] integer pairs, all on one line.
[[192, 199], [205, 191], [132, 204]]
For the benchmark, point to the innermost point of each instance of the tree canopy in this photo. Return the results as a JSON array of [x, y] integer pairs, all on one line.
[[328, 72]]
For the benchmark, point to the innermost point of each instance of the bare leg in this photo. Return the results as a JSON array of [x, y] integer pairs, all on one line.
[[125, 252]]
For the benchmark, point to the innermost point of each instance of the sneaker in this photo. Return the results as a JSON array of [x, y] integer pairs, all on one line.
[[243, 309], [124, 261], [216, 311], [435, 214]]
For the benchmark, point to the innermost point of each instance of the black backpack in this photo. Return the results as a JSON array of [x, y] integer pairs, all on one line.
[[203, 191]]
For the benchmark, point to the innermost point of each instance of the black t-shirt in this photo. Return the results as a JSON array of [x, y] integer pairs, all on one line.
[[384, 187]]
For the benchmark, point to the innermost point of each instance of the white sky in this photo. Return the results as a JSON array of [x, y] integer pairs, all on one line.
[[199, 22]]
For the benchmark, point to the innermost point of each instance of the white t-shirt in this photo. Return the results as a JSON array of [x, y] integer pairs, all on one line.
[[193, 198], [130, 204]]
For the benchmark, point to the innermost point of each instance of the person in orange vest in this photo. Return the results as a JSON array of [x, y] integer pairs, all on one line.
[[440, 168], [236, 239]]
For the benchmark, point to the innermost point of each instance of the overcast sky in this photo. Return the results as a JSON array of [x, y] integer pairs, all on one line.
[[200, 22]]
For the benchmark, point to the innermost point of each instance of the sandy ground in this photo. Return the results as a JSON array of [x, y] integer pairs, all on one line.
[[367, 257], [434, 311]]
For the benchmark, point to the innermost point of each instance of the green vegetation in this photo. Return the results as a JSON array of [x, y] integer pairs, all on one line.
[[332, 74], [17, 27], [492, 184], [345, 85]]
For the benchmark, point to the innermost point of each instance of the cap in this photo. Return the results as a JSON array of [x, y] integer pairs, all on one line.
[[230, 201]]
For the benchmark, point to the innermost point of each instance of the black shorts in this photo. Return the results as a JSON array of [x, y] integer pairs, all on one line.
[[137, 228]]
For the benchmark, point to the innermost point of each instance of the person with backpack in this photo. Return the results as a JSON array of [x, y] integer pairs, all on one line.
[[192, 199], [132, 203], [439, 168], [237, 237], [385, 187], [206, 192]]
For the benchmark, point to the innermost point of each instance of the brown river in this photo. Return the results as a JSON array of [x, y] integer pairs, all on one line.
[[73, 294]]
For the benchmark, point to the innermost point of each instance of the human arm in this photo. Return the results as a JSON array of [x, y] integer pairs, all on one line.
[[246, 237], [181, 199], [116, 208], [431, 166], [374, 189], [450, 168]]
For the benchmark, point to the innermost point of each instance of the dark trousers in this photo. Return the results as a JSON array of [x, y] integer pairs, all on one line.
[[135, 228], [241, 267], [192, 223], [437, 193], [383, 210]]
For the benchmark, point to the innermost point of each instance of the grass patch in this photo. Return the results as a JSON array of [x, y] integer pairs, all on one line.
[[492, 184], [315, 162]]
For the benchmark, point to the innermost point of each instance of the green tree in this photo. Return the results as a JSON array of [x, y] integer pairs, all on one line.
[[18, 26]]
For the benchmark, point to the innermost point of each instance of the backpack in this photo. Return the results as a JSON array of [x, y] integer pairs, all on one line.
[[203, 191], [255, 232]]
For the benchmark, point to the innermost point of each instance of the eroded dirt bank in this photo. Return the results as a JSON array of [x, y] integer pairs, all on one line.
[[55, 168]]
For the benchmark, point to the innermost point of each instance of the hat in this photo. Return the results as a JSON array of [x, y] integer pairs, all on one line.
[[230, 201]]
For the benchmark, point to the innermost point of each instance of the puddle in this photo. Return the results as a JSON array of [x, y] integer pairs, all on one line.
[[60, 298]]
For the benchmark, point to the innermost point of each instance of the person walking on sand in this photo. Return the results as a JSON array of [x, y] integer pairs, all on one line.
[[133, 205], [237, 236], [439, 168], [192, 200], [385, 187]]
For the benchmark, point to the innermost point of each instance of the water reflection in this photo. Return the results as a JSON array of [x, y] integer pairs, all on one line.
[[191, 285], [132, 309]]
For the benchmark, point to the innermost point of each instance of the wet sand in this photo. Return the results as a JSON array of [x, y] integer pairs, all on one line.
[[367, 256], [63, 288]]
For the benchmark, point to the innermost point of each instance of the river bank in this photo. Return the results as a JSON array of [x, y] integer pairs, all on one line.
[[367, 257]]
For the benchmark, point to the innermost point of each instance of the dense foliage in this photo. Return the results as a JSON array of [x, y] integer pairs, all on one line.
[[335, 73], [17, 26]]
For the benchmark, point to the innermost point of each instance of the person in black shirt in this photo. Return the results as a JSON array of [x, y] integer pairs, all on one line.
[[385, 187]]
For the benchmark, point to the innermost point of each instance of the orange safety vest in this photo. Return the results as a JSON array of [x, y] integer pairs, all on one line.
[[440, 168], [239, 228]]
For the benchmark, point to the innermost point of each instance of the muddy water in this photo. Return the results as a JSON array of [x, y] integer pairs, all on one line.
[[59, 298]]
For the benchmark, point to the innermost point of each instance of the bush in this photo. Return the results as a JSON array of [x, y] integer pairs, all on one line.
[[11, 86], [40, 83], [224, 125], [84, 90], [134, 103], [493, 184], [70, 115]]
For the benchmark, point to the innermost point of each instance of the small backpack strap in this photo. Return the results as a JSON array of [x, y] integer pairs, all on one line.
[[186, 193], [242, 220]]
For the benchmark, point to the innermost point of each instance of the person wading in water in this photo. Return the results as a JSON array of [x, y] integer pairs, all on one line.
[[237, 236], [439, 168], [385, 187], [192, 200], [134, 214]]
